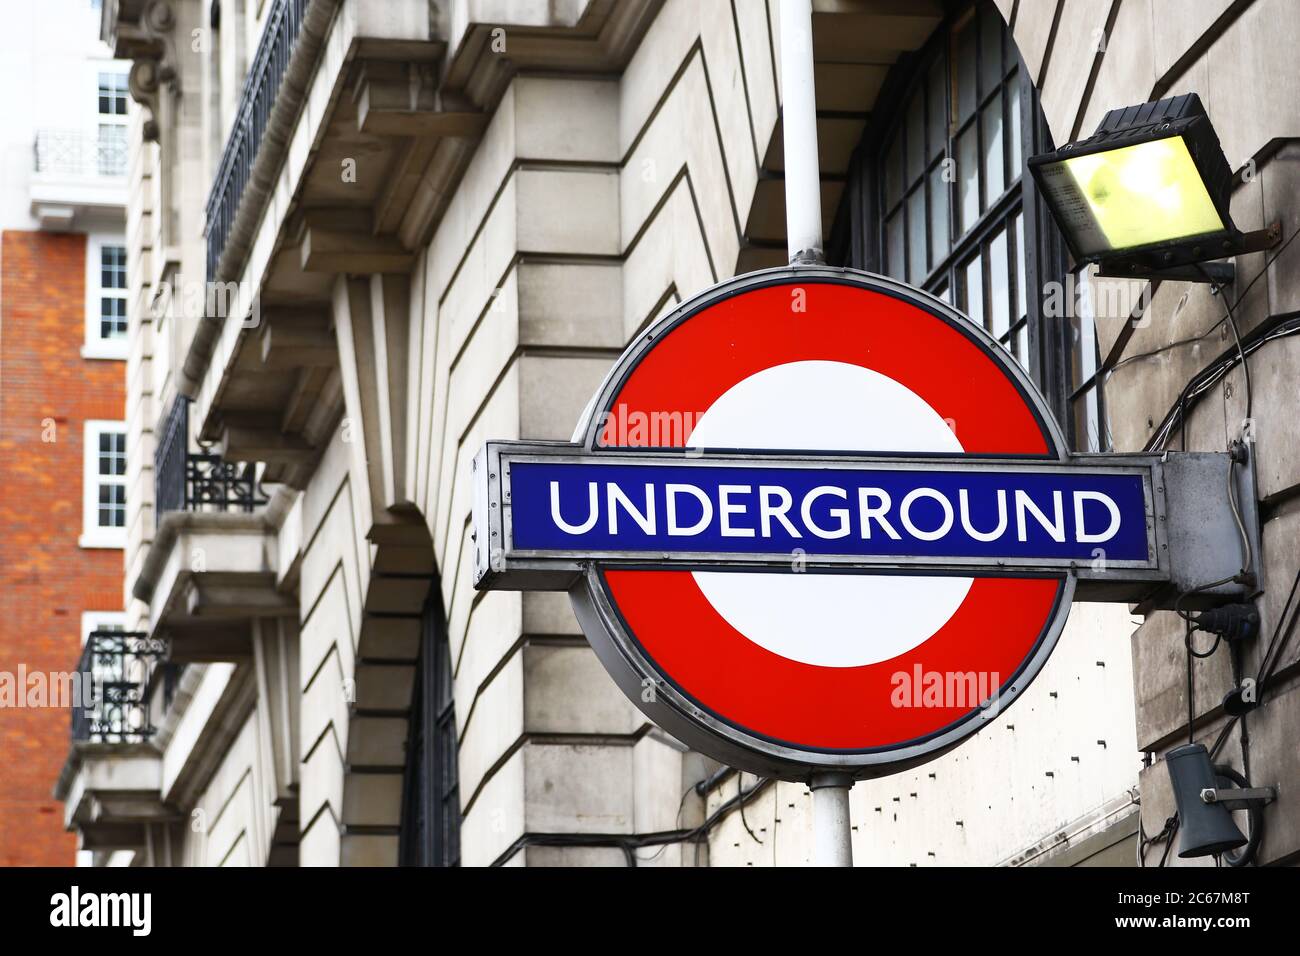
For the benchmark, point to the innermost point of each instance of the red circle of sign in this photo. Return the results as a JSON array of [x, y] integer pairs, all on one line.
[[725, 343], [833, 708], [874, 707]]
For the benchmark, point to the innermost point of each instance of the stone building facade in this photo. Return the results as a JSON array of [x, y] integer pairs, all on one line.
[[368, 236]]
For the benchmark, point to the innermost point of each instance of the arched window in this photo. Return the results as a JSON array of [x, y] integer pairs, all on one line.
[[939, 197], [430, 830]]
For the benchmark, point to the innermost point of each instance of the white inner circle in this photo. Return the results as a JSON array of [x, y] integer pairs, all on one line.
[[831, 620], [823, 406]]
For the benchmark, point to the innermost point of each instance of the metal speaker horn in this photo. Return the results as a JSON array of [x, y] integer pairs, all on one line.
[[1205, 829]]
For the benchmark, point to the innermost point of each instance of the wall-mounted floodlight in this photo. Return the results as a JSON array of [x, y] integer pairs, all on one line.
[[1146, 196]]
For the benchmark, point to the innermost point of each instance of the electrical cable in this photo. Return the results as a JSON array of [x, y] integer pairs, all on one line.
[[1241, 297], [1266, 677], [1223, 737], [1178, 602], [1172, 824], [1145, 843], [1210, 331], [1277, 630], [1202, 655], [1247, 552], [628, 843], [1191, 689], [1210, 376], [740, 779], [1255, 822], [677, 821], [1236, 335]]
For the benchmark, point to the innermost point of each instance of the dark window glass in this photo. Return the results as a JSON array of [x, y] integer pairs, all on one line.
[[112, 453], [112, 267], [112, 318], [430, 831], [1087, 380], [112, 284], [967, 224], [112, 94]]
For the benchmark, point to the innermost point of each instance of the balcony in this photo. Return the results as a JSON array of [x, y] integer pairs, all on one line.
[[254, 116], [77, 175], [211, 567], [122, 690], [117, 677], [199, 481], [400, 94]]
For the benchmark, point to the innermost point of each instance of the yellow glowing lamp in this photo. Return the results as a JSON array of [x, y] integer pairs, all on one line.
[[1144, 194], [1150, 189]]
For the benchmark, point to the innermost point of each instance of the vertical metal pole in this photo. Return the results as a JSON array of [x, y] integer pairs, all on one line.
[[832, 831], [803, 193]]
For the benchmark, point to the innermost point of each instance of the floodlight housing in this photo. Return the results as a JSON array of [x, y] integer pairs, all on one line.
[[1148, 192]]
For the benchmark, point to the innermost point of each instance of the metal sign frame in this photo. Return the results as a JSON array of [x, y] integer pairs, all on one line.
[[1187, 547], [499, 564]]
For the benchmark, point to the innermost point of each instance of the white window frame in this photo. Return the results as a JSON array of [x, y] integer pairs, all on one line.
[[96, 346], [110, 68], [98, 620], [117, 120], [93, 536]]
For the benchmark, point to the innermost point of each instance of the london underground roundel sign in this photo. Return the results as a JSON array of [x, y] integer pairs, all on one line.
[[813, 519]]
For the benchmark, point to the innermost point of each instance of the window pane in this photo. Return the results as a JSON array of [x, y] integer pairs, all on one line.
[[938, 107], [112, 267], [968, 178], [973, 289], [999, 287], [916, 241], [1014, 168], [1083, 341], [894, 173], [1022, 306], [990, 50], [112, 506], [994, 181], [110, 149], [965, 79], [1087, 422], [938, 216], [112, 317], [915, 138], [894, 246], [942, 293], [1021, 348], [112, 94], [112, 453]]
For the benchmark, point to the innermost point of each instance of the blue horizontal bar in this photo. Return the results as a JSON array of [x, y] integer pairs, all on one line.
[[919, 512]]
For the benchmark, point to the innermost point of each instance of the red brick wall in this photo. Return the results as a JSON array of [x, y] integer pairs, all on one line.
[[46, 580]]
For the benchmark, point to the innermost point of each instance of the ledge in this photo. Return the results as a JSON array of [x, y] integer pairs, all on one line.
[[111, 792], [205, 576], [410, 106]]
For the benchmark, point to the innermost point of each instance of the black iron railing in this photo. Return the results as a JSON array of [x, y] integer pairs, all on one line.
[[114, 684], [169, 459], [283, 24], [199, 481]]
